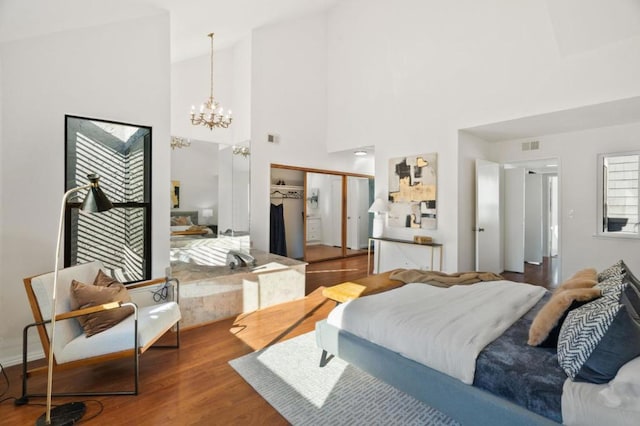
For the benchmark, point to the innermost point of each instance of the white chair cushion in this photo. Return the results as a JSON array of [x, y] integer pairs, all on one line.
[[42, 286], [153, 321]]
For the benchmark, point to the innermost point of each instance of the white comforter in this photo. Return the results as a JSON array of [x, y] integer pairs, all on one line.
[[442, 328]]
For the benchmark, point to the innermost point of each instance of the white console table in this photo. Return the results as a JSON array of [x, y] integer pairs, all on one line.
[[430, 246]]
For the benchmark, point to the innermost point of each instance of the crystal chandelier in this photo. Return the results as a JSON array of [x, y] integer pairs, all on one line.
[[241, 150], [178, 142], [211, 113]]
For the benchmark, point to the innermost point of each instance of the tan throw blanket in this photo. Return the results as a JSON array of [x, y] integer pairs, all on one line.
[[440, 279]]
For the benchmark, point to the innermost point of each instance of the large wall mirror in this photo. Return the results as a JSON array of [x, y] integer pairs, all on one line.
[[618, 194], [120, 154], [319, 215], [210, 203]]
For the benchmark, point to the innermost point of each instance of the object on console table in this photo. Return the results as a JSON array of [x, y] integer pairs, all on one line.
[[422, 239], [441, 279]]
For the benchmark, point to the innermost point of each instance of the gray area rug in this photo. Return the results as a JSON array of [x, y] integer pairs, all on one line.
[[288, 376]]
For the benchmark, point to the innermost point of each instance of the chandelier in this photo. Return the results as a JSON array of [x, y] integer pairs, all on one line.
[[211, 113], [241, 150], [178, 142]]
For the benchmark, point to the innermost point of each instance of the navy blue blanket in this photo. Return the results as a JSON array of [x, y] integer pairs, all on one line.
[[528, 376]]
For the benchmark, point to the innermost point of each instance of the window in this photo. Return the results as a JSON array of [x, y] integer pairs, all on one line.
[[619, 211], [120, 154]]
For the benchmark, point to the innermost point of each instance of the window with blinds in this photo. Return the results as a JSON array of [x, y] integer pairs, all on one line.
[[121, 237], [620, 195]]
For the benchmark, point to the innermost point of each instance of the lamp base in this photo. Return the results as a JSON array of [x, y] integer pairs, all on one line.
[[378, 227], [64, 415]]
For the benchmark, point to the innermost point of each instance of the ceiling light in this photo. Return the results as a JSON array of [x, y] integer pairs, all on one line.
[[360, 153], [211, 113], [241, 150], [178, 142]]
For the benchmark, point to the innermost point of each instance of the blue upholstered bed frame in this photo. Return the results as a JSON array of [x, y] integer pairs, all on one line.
[[464, 403]]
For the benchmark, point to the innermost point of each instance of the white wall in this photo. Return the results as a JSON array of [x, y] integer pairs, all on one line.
[[577, 179], [241, 96], [233, 191], [288, 98], [196, 167], [408, 89], [3, 331], [115, 72], [406, 78]]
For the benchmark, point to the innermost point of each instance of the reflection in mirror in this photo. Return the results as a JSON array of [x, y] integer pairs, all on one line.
[[329, 233], [324, 216], [212, 217], [286, 213], [233, 188], [619, 203], [121, 237]]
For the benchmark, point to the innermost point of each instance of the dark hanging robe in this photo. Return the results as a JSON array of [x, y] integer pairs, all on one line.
[[278, 242]]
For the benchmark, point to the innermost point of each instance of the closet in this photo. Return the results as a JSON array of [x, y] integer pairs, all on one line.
[[287, 209], [319, 214]]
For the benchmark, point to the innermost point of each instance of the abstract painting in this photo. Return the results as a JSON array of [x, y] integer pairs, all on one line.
[[412, 191]]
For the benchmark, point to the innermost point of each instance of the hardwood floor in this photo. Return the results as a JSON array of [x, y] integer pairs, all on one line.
[[195, 385], [320, 252], [545, 275]]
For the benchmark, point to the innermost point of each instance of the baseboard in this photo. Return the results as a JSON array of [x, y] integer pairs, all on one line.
[[11, 352]]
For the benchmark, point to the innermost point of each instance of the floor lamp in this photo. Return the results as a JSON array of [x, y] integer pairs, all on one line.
[[94, 201]]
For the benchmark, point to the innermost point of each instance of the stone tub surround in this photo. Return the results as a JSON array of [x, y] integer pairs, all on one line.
[[211, 293]]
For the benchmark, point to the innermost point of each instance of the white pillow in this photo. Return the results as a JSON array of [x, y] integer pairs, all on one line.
[[624, 390], [180, 227]]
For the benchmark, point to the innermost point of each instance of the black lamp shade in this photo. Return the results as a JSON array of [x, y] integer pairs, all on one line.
[[95, 200]]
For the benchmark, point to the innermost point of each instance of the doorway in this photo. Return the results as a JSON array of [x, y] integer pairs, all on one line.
[[528, 210]]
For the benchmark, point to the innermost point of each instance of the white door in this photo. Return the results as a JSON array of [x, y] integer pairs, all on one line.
[[533, 219], [488, 213], [514, 190]]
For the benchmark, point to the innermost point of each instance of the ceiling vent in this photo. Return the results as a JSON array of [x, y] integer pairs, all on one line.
[[530, 146]]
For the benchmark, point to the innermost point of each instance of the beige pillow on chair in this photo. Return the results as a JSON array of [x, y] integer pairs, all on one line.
[[85, 296]]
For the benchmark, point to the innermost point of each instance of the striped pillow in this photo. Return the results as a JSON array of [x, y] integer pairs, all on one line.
[[601, 336]]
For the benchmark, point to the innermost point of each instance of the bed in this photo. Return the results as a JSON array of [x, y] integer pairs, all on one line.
[[493, 383], [185, 223], [198, 244]]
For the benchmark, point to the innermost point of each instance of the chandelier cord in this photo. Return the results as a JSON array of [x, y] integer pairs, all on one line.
[[211, 87]]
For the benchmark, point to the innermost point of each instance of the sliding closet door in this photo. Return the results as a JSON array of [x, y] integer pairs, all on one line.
[[330, 219], [323, 207], [358, 202]]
